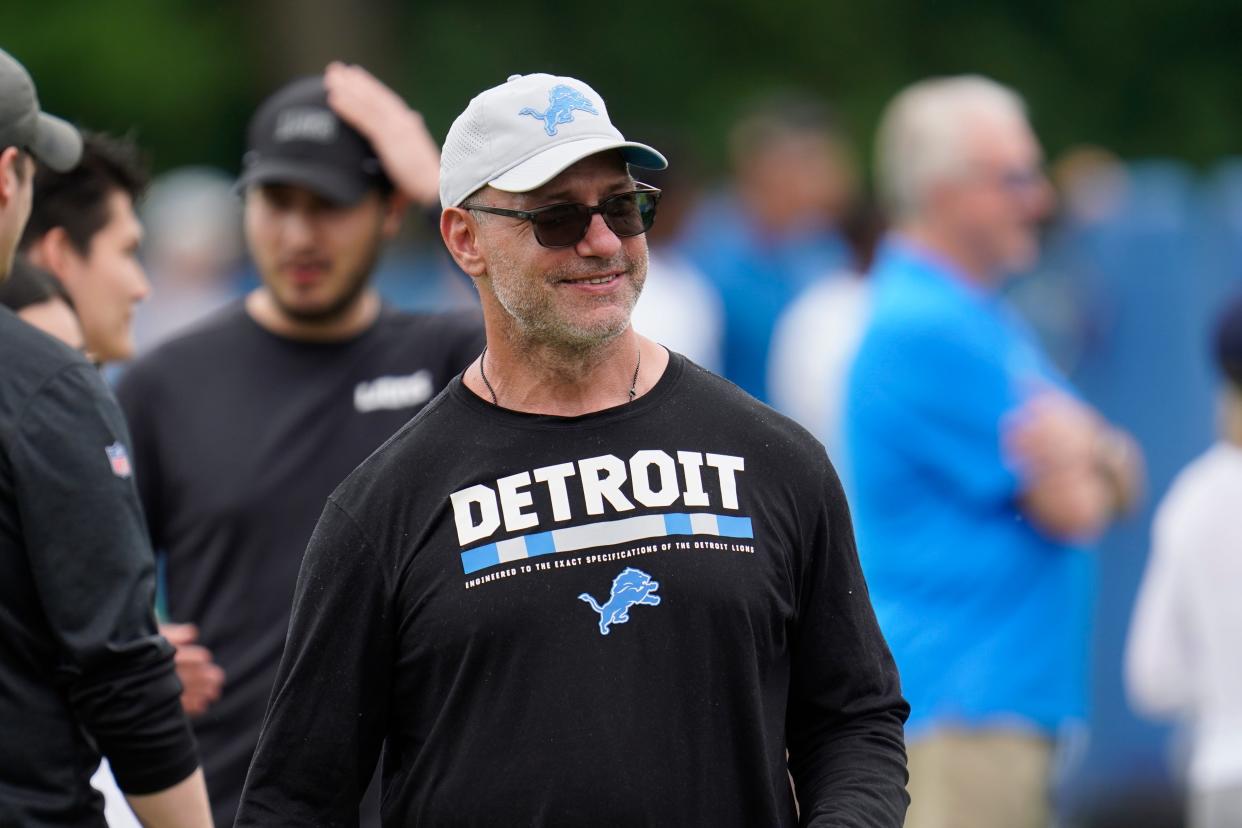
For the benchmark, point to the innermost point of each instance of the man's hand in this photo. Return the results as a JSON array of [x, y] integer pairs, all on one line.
[[1079, 471], [398, 134], [201, 678], [1051, 432]]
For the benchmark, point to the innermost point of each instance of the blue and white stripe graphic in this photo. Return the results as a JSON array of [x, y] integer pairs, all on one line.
[[606, 533]]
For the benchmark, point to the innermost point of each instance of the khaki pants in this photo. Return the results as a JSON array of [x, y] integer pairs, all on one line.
[[1216, 808], [982, 778]]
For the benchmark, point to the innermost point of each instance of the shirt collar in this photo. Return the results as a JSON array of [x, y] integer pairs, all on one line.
[[909, 255]]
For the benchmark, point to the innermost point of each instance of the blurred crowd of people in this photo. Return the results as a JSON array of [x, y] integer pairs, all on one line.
[[971, 343]]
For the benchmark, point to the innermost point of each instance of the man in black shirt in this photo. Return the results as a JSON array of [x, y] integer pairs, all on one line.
[[591, 583], [244, 425], [85, 234], [83, 671]]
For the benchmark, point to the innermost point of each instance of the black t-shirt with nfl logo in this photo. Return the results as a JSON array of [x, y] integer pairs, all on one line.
[[239, 437], [83, 671], [623, 618]]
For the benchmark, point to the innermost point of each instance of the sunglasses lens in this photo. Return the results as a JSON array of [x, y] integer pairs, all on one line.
[[561, 226], [623, 215], [564, 225]]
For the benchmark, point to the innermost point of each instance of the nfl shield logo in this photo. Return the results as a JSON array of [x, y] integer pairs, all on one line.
[[119, 458]]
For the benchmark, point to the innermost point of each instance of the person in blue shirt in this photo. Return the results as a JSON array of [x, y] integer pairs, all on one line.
[[979, 478], [776, 231]]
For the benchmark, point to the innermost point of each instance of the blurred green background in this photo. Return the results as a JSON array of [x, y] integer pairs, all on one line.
[[1142, 78]]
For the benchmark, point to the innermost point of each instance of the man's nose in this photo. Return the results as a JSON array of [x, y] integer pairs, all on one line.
[[297, 228], [142, 286], [599, 240]]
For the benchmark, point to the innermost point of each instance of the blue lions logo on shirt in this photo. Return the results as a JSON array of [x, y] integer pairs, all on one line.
[[562, 101], [630, 588]]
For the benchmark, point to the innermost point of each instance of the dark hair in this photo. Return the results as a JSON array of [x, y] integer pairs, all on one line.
[[1233, 373], [1227, 342], [78, 200], [30, 285], [863, 226]]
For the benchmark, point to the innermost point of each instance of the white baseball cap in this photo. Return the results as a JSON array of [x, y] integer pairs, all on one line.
[[522, 134]]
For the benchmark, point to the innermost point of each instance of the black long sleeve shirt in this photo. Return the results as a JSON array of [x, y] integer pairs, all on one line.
[[623, 618], [83, 671], [240, 435]]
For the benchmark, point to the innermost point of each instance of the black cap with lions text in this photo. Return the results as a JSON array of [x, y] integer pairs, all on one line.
[[22, 124], [296, 138]]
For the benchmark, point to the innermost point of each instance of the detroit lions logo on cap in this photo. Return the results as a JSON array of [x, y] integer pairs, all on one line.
[[631, 588], [563, 101]]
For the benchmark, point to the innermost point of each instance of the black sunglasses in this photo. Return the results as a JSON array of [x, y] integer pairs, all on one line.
[[564, 225]]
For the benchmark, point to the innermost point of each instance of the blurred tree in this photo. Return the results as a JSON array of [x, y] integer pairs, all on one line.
[[1149, 78], [172, 72], [288, 38]]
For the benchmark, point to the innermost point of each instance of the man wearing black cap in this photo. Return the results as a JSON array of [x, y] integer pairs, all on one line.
[[246, 423], [83, 671]]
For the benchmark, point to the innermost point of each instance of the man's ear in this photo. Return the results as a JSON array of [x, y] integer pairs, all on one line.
[[460, 231], [940, 198], [394, 211], [12, 172], [55, 253]]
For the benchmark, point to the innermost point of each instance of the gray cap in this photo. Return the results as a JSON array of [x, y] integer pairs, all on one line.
[[49, 139], [520, 135]]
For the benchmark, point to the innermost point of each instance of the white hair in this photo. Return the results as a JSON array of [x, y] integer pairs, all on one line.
[[924, 132]]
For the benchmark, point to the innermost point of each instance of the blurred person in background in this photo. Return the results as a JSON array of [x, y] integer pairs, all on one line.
[[979, 478], [193, 251], [84, 230], [39, 300], [84, 227], [418, 275], [1067, 298], [244, 424], [816, 336], [83, 671], [777, 230], [1092, 182], [1183, 659], [679, 307]]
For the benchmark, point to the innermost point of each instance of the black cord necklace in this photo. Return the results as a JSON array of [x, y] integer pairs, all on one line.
[[633, 392]]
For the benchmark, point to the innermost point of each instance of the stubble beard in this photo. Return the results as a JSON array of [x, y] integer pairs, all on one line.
[[529, 302], [338, 307]]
